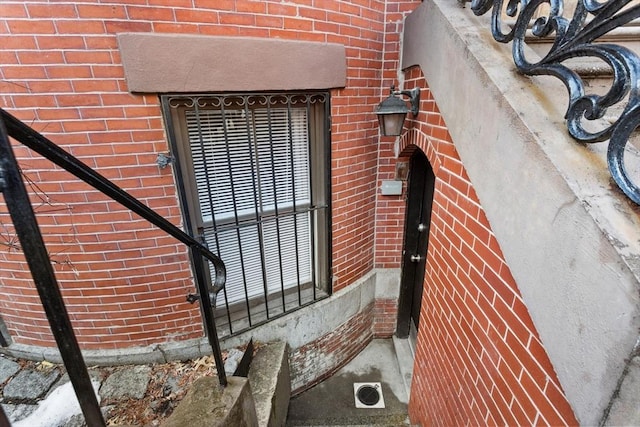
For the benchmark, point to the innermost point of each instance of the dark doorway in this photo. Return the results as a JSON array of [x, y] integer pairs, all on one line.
[[416, 240]]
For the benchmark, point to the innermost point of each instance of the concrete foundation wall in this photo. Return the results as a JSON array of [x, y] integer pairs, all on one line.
[[569, 237], [321, 337], [325, 336]]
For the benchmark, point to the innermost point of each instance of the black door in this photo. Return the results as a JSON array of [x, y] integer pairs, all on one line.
[[416, 241]]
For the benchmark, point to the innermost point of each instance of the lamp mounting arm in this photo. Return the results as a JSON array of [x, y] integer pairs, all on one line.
[[414, 98]]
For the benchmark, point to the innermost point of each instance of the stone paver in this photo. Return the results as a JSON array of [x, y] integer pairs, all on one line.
[[128, 382], [19, 411], [75, 421], [23, 394], [234, 356], [29, 384], [8, 368]]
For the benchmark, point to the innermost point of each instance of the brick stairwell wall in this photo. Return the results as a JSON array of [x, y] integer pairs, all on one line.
[[479, 359]]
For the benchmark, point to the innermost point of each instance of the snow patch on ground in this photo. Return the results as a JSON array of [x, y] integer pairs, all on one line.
[[57, 408]]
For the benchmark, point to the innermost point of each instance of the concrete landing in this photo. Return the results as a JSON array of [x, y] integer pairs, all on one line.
[[332, 402]]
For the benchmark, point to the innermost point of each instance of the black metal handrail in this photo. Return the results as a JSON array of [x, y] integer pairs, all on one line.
[[17, 200]]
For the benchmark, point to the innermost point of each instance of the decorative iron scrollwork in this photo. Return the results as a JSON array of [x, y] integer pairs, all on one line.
[[242, 100], [574, 38]]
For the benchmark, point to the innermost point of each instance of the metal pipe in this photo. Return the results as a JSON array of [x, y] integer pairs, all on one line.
[[207, 312], [274, 188], [293, 198], [234, 200], [4, 420]]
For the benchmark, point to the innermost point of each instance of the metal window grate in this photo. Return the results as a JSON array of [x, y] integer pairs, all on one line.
[[250, 166]]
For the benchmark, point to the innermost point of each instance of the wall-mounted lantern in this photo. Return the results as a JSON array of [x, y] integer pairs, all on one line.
[[393, 110]]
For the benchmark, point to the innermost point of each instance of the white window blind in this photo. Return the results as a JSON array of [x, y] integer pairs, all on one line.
[[251, 170]]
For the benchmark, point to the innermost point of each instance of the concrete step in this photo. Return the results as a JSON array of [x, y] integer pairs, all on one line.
[[371, 425], [261, 399], [390, 420], [360, 422], [405, 356], [364, 421], [270, 383]]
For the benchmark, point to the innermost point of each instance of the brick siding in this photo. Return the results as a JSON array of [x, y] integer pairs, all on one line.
[[479, 359], [385, 313], [124, 281], [321, 358]]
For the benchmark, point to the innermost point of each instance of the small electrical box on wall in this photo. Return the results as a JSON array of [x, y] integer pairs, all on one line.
[[391, 187]]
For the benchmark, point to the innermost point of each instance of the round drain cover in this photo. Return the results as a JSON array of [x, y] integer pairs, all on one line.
[[368, 395]]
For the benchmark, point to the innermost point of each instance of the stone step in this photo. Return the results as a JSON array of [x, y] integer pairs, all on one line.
[[270, 383], [261, 399]]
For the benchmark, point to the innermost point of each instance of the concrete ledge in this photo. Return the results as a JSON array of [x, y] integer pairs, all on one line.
[[271, 384], [159, 353], [315, 321], [300, 329], [209, 405]]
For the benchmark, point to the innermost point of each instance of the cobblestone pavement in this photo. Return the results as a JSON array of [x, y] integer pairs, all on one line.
[[39, 394]]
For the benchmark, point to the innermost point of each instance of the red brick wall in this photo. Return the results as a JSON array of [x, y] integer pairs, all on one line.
[[385, 313], [390, 209], [321, 358], [124, 281], [479, 359]]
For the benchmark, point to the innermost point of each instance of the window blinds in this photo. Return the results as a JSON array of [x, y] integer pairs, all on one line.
[[251, 171]]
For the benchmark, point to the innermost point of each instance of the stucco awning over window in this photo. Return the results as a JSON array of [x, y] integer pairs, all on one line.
[[164, 63]]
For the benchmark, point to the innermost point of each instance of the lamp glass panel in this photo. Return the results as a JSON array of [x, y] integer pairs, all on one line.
[[391, 124]]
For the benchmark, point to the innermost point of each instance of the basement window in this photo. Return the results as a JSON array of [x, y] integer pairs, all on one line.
[[253, 177]]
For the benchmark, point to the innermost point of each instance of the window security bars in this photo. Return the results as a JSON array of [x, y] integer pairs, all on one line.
[[254, 173], [23, 217], [578, 37]]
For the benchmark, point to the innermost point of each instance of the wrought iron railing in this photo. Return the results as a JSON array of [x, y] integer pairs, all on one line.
[[26, 227], [579, 36]]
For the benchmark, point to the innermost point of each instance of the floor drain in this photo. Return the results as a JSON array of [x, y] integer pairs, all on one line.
[[368, 395]]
